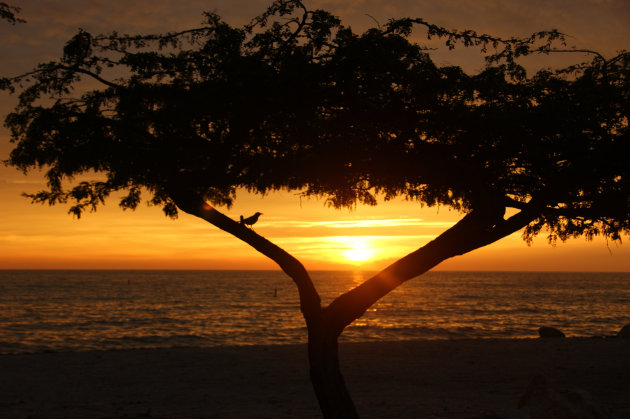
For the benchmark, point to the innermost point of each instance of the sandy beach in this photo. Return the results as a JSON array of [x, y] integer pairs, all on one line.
[[420, 379]]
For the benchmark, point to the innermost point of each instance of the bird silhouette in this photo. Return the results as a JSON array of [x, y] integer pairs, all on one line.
[[250, 221]]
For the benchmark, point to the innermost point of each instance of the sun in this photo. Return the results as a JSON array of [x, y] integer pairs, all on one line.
[[358, 250]]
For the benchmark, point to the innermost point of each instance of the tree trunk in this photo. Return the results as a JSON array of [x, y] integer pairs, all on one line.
[[470, 233], [476, 229], [330, 388]]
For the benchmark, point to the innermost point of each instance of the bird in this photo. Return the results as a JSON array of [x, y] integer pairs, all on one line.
[[250, 221]]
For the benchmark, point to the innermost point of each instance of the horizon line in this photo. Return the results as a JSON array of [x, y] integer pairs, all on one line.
[[310, 270]]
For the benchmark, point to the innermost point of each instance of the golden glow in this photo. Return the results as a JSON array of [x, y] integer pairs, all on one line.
[[359, 250], [366, 239], [370, 223]]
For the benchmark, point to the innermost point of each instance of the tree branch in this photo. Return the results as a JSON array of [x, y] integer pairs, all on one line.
[[150, 37], [310, 302], [584, 51], [473, 231], [8, 82], [93, 75]]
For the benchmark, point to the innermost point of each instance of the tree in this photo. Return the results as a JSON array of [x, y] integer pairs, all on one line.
[[297, 101], [9, 13]]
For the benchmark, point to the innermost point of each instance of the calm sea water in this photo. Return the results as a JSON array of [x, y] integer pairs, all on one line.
[[84, 310]]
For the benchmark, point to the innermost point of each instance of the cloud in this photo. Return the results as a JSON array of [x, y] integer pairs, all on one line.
[[387, 223]]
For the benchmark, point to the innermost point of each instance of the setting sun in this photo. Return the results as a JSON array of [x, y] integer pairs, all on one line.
[[358, 250]]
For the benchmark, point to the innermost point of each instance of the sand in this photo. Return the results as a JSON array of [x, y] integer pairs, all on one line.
[[415, 379]]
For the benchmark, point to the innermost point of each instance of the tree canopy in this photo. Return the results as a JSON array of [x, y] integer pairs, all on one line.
[[297, 101], [9, 13]]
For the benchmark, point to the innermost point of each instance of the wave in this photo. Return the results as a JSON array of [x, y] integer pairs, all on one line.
[[83, 310]]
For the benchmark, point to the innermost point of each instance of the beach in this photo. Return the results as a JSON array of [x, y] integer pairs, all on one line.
[[420, 379]]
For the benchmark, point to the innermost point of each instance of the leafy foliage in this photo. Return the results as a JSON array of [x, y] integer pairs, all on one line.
[[9, 13], [295, 100]]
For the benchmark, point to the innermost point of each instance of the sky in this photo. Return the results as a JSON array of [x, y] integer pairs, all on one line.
[[365, 238]]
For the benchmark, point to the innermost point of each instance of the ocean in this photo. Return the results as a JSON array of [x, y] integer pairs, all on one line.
[[105, 310]]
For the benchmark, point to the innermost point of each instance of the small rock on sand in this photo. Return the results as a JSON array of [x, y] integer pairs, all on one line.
[[624, 332], [550, 332]]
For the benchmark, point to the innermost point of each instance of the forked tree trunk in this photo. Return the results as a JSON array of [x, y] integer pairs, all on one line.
[[472, 232], [325, 325]]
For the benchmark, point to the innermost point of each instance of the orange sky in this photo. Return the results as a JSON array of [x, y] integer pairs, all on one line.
[[34, 236]]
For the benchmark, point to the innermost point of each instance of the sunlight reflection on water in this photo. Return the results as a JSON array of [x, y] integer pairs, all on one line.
[[81, 310]]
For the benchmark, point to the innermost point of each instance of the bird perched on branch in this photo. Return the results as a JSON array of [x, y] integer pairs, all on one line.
[[250, 221]]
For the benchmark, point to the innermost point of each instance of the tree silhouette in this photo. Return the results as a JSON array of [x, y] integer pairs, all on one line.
[[296, 101], [9, 13]]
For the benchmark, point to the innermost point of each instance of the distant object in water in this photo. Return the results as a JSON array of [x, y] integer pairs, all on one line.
[[275, 292], [624, 332], [250, 221], [550, 332]]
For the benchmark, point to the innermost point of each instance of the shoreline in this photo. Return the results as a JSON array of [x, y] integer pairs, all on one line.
[[422, 378]]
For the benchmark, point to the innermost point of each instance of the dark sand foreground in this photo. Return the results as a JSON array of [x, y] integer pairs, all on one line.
[[423, 379]]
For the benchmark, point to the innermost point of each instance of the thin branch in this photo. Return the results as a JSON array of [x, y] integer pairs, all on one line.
[[585, 51], [93, 75], [440, 31], [150, 37], [15, 79], [378, 25], [301, 25]]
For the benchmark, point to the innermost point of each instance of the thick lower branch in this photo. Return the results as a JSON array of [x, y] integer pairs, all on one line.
[[310, 302], [472, 232], [326, 377]]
